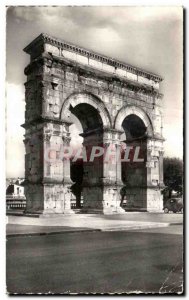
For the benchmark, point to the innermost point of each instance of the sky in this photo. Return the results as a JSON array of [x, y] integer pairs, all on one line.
[[146, 37]]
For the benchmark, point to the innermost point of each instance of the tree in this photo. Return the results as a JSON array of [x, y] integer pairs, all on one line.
[[173, 175]]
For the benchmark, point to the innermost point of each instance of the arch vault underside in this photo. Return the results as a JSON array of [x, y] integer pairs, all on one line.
[[109, 98]]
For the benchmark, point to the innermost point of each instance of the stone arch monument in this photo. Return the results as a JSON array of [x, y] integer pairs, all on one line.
[[109, 98]]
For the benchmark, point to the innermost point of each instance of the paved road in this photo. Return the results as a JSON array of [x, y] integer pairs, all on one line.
[[102, 262]]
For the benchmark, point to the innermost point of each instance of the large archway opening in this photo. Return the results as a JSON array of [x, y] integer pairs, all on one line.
[[134, 172], [86, 132], [76, 167]]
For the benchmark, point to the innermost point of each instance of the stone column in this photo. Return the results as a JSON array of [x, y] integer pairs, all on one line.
[[154, 175], [57, 182], [67, 182], [161, 169], [48, 175], [112, 182], [34, 168], [102, 177]]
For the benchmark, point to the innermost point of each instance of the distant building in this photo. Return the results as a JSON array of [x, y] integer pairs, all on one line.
[[13, 180], [15, 197], [19, 181], [15, 190]]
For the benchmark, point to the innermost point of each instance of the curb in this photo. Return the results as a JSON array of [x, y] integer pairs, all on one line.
[[50, 233], [111, 229], [172, 224], [140, 227]]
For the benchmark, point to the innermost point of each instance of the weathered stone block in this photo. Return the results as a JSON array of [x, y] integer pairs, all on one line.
[[82, 59], [95, 63], [131, 76]]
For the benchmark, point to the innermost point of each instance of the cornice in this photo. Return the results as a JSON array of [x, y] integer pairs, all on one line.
[[43, 119], [44, 38]]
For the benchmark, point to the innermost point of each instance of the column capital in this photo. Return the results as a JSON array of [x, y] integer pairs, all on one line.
[[66, 139], [113, 130], [161, 152], [47, 137]]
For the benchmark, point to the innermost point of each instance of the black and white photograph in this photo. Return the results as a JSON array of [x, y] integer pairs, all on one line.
[[94, 150]]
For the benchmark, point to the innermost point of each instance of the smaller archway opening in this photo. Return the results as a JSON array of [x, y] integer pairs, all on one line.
[[134, 173], [134, 127]]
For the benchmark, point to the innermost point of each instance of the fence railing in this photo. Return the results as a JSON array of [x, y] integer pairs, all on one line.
[[15, 203], [15, 197], [20, 203]]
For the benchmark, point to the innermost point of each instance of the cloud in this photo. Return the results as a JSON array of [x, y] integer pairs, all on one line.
[[29, 14], [14, 157], [173, 135], [15, 107]]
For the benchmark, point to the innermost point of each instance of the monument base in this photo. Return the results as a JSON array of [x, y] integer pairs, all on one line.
[[105, 211], [147, 199]]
